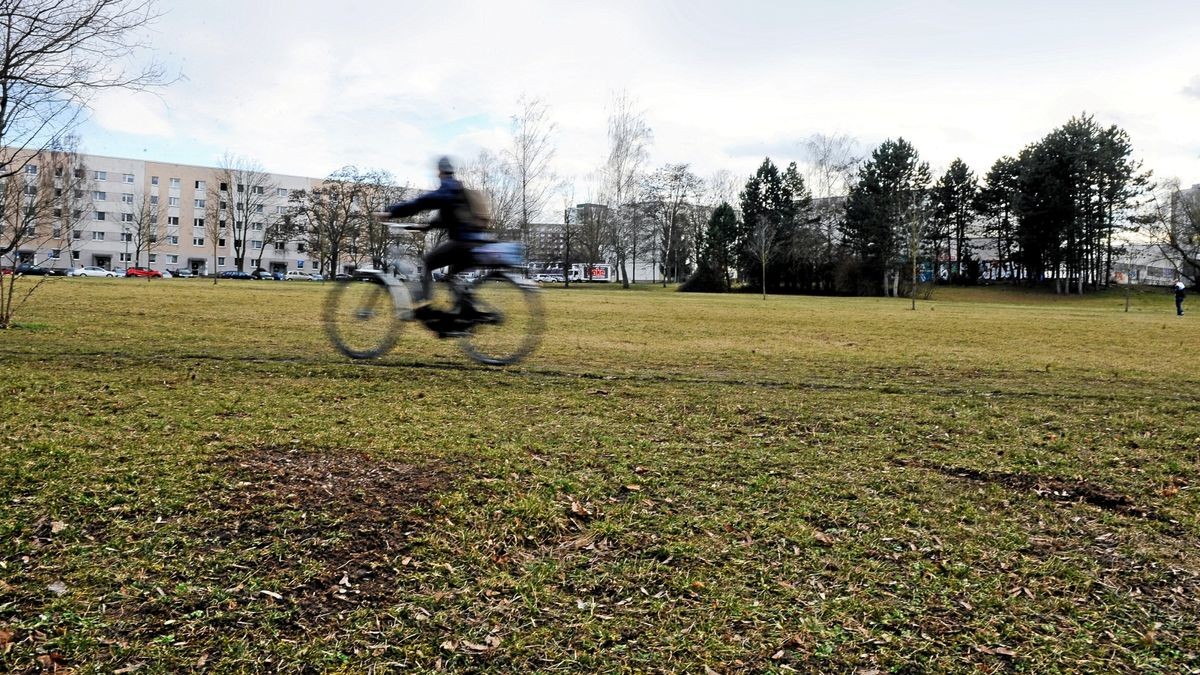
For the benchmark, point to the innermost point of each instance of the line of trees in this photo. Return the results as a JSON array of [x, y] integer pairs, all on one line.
[[1057, 213]]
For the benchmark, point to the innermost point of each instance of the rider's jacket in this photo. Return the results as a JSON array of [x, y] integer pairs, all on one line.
[[454, 214]]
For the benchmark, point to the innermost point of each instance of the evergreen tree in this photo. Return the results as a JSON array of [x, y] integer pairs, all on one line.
[[718, 254], [996, 201], [890, 184], [954, 197]]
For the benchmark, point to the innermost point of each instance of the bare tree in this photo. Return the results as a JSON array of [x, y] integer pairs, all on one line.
[[629, 138], [670, 191], [63, 173], [242, 191], [831, 162], [378, 190], [331, 216], [146, 225], [55, 57], [1174, 223], [529, 158], [763, 244], [493, 176], [916, 223]]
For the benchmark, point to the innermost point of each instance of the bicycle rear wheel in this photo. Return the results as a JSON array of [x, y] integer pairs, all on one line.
[[363, 316], [510, 322]]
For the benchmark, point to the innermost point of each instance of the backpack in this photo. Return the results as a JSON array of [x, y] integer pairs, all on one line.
[[479, 209]]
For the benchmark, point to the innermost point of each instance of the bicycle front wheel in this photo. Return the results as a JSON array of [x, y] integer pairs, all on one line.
[[363, 316], [509, 323]]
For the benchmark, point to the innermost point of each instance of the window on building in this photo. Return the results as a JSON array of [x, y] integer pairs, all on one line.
[[127, 197], [154, 180], [78, 194], [126, 217], [258, 208], [256, 227], [175, 182], [173, 240], [280, 209], [58, 213], [153, 200], [55, 253], [31, 190], [221, 241], [97, 236], [56, 231], [173, 220], [224, 204], [31, 169], [172, 201], [241, 187], [125, 257], [99, 196], [199, 185], [30, 230], [220, 261], [281, 192], [99, 215], [258, 189], [299, 264], [100, 175], [152, 258], [224, 187], [279, 246], [197, 241], [199, 203], [172, 259], [74, 255], [153, 237], [126, 236], [256, 245], [300, 247], [129, 178], [198, 222]]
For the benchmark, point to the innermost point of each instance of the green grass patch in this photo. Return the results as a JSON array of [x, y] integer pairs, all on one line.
[[190, 477]]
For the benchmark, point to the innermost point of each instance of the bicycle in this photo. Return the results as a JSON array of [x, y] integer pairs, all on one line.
[[496, 314]]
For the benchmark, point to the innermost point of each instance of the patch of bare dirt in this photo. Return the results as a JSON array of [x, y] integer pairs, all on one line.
[[357, 515]]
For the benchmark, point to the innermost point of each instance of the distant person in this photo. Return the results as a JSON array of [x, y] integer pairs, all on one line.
[[1180, 294]]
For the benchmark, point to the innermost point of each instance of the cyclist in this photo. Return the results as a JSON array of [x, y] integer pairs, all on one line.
[[464, 232]]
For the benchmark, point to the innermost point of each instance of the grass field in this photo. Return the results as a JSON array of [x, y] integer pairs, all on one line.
[[191, 479]]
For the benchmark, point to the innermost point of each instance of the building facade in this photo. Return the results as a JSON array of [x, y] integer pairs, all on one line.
[[99, 206]]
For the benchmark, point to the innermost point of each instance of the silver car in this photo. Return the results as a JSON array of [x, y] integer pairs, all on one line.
[[91, 271]]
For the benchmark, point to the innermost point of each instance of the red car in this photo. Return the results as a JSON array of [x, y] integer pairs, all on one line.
[[143, 272]]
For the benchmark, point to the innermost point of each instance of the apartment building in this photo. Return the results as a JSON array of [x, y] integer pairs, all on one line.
[[100, 200]]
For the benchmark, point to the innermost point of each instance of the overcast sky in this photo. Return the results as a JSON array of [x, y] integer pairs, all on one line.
[[304, 87]]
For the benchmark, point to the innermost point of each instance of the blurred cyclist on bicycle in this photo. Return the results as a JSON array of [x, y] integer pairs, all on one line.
[[463, 228]]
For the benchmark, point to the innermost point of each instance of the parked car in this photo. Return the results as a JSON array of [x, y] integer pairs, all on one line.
[[262, 275], [316, 276], [91, 271], [183, 273], [548, 278], [39, 271], [143, 272], [342, 276], [234, 274], [296, 275]]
